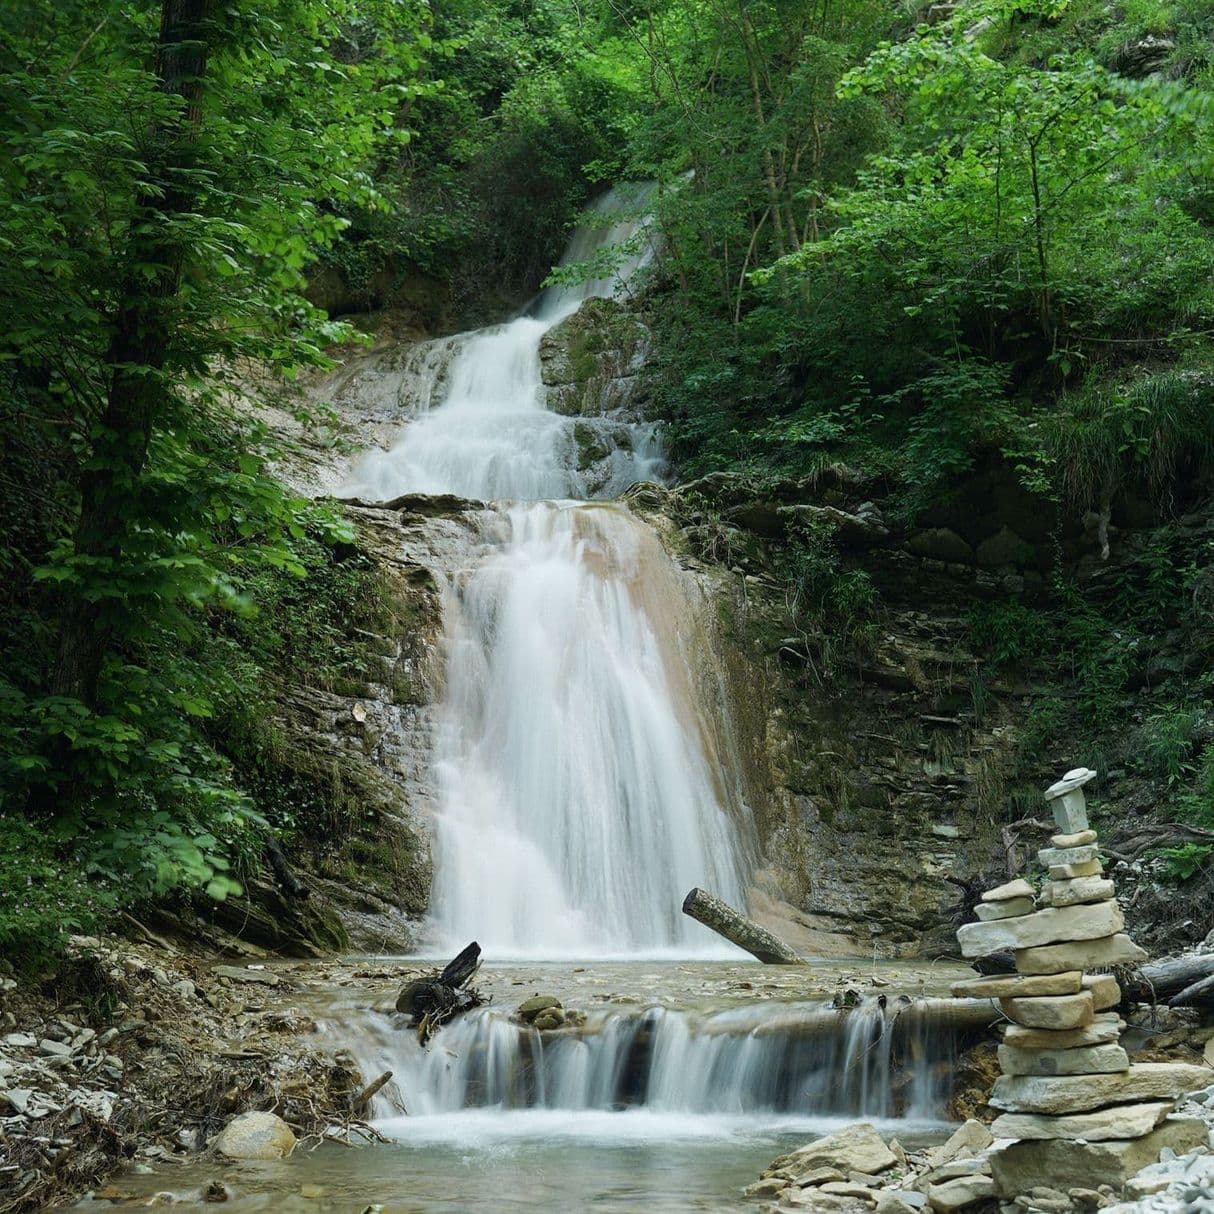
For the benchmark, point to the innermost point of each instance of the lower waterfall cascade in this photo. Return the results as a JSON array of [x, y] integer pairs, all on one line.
[[877, 1060]]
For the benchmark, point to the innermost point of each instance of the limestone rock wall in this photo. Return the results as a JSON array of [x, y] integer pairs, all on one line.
[[891, 783]]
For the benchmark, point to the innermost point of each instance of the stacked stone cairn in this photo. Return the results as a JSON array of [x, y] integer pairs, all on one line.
[[1081, 1116]]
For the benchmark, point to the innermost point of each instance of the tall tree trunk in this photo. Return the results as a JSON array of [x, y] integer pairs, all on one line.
[[136, 357]]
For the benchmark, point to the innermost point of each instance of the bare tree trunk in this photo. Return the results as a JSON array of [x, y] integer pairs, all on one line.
[[137, 352]]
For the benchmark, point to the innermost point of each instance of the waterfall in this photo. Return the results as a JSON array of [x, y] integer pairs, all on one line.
[[580, 791], [874, 1060], [490, 437], [577, 803]]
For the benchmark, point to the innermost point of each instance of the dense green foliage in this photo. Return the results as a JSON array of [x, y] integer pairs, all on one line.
[[161, 195]]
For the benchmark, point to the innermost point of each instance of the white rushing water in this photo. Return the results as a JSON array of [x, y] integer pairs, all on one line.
[[490, 437], [580, 792], [577, 800], [768, 1061]]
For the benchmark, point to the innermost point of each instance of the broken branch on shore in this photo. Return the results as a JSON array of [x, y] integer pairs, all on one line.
[[704, 908]]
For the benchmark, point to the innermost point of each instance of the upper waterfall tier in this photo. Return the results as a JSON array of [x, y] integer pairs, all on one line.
[[479, 427]]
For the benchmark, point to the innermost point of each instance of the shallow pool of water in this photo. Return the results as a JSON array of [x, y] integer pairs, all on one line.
[[532, 1162], [675, 1150]]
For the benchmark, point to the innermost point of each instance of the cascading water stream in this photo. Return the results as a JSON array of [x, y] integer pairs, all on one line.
[[578, 799], [580, 791], [490, 437], [874, 1060]]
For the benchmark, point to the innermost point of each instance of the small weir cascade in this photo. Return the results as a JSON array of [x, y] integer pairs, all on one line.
[[778, 1061]]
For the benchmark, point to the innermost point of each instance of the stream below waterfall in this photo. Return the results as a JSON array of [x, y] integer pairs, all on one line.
[[684, 1081], [583, 781]]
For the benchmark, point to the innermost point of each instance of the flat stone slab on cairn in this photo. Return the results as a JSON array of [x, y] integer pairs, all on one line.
[[1011, 986], [1051, 1011], [1071, 923], [1019, 888], [1079, 1060], [1067, 801], [1124, 1121], [1105, 1027], [1073, 892], [1049, 856], [1063, 1164], [1104, 991], [1065, 872], [1011, 909], [1081, 1093], [1080, 954], [1080, 839]]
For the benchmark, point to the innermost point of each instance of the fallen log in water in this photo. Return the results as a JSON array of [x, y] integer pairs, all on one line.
[[1160, 981], [434, 999], [737, 929]]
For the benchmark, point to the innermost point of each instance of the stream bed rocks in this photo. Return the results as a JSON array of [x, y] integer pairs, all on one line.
[[145, 1055]]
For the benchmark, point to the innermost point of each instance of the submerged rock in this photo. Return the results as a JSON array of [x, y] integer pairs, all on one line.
[[255, 1136]]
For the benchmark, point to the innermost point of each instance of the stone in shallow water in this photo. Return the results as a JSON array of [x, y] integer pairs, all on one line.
[[989, 911], [1064, 872], [1082, 1060], [1081, 889], [1105, 1027], [255, 1136], [529, 1009], [858, 1148], [1047, 926], [1123, 1121], [1118, 949], [1080, 1093], [1011, 986], [1019, 888], [1064, 1164], [1050, 1011]]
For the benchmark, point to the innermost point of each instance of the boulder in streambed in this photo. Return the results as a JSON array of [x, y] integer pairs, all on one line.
[[255, 1136], [530, 1009], [857, 1148]]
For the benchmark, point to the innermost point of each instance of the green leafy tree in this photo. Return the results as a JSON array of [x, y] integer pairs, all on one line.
[[169, 172]]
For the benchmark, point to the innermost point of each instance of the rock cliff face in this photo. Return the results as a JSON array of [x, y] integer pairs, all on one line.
[[881, 751], [889, 755]]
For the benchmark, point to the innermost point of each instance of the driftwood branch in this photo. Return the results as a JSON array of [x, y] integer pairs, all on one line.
[[1159, 981], [721, 918], [363, 1098], [1197, 994], [1162, 834], [431, 1001]]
